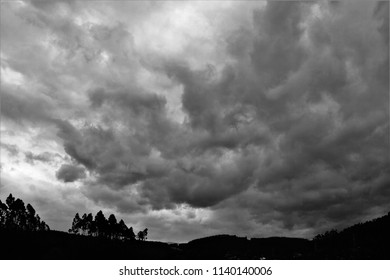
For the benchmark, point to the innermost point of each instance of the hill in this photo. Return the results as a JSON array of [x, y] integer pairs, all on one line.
[[369, 240]]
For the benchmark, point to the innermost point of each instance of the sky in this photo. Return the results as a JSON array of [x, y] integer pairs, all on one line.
[[196, 118]]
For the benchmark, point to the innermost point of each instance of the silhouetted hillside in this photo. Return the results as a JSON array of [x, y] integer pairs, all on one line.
[[233, 247], [217, 247], [369, 240], [62, 245]]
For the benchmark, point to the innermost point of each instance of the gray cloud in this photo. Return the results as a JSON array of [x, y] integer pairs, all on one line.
[[104, 152], [137, 102], [307, 109], [16, 108], [70, 173], [277, 51], [10, 148], [45, 157], [283, 116]]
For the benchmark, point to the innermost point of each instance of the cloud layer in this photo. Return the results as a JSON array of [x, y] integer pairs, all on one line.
[[196, 118]]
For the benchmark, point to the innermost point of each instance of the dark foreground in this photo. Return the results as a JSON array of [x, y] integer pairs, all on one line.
[[370, 240]]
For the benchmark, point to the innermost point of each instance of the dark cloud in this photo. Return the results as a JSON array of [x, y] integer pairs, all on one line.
[[105, 153], [273, 120], [277, 51], [201, 185], [135, 102], [122, 200], [304, 102], [70, 173]]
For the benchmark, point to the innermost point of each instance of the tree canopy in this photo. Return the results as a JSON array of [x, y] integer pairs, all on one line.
[[102, 227], [142, 235], [14, 215]]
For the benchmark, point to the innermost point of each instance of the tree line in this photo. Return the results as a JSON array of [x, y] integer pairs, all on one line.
[[14, 215], [102, 227]]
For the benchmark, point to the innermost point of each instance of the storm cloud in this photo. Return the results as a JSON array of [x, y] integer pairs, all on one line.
[[70, 173], [251, 118]]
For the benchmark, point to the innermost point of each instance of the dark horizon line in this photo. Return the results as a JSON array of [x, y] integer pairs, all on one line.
[[250, 238]]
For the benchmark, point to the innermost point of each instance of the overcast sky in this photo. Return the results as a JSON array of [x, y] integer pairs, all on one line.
[[195, 118]]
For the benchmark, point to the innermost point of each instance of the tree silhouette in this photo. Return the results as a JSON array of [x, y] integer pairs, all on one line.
[[3, 214], [10, 200], [90, 225], [75, 224], [142, 235], [122, 229], [112, 226], [101, 224], [15, 216], [130, 235], [31, 221], [102, 227], [84, 224], [10, 216], [145, 233]]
